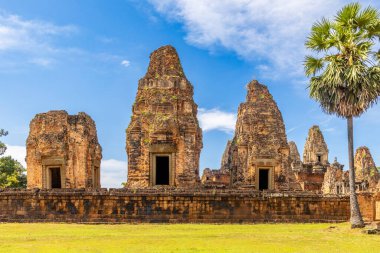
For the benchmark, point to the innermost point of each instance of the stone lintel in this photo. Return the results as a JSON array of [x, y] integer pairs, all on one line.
[[53, 161], [163, 148]]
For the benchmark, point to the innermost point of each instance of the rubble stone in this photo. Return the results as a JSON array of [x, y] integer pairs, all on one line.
[[215, 177]]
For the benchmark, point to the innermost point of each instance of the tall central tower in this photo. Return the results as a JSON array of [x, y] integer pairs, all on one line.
[[164, 139]]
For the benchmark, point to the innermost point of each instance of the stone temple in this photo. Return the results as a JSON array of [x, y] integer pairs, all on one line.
[[259, 151], [367, 176], [164, 139], [63, 151]]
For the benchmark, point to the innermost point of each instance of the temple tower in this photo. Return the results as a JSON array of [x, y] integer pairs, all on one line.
[[164, 139], [316, 153], [63, 151], [259, 149]]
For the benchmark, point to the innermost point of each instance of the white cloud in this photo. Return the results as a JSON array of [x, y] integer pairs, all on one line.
[[330, 129], [25, 42], [17, 152], [18, 34], [125, 63], [43, 62], [214, 119], [113, 173], [269, 31]]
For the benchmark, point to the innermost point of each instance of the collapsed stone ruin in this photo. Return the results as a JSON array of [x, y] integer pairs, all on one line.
[[63, 151], [222, 176]]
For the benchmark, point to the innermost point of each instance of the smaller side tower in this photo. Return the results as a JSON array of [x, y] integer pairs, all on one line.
[[63, 151], [316, 153]]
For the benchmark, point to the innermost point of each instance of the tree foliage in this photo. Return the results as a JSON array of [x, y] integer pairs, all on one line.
[[12, 173], [346, 78], [3, 148]]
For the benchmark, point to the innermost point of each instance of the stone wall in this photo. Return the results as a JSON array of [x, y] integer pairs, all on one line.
[[176, 205], [369, 206], [65, 144]]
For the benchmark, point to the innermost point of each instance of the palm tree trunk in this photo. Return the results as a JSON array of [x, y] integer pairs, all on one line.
[[356, 217]]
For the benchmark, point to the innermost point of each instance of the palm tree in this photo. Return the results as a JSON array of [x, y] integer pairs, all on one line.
[[345, 73]]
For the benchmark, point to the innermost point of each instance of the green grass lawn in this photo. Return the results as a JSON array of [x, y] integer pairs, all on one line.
[[320, 238]]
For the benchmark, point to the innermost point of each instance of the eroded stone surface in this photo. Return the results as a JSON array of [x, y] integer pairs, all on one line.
[[164, 122], [260, 142], [67, 142]]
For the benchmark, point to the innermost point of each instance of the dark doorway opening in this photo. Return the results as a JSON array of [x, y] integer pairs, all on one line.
[[162, 170], [55, 177], [319, 158], [263, 179]]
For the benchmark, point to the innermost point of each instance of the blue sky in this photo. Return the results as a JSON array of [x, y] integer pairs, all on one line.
[[88, 55]]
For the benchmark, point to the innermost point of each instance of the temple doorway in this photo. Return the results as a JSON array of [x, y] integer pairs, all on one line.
[[55, 177], [263, 179], [162, 170]]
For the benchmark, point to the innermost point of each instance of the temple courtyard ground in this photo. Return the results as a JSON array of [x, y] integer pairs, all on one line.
[[185, 238]]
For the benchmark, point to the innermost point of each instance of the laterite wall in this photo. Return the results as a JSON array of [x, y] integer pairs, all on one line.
[[370, 206], [206, 206]]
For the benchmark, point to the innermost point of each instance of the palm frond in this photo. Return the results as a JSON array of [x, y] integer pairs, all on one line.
[[320, 38], [313, 65], [367, 18], [348, 14]]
